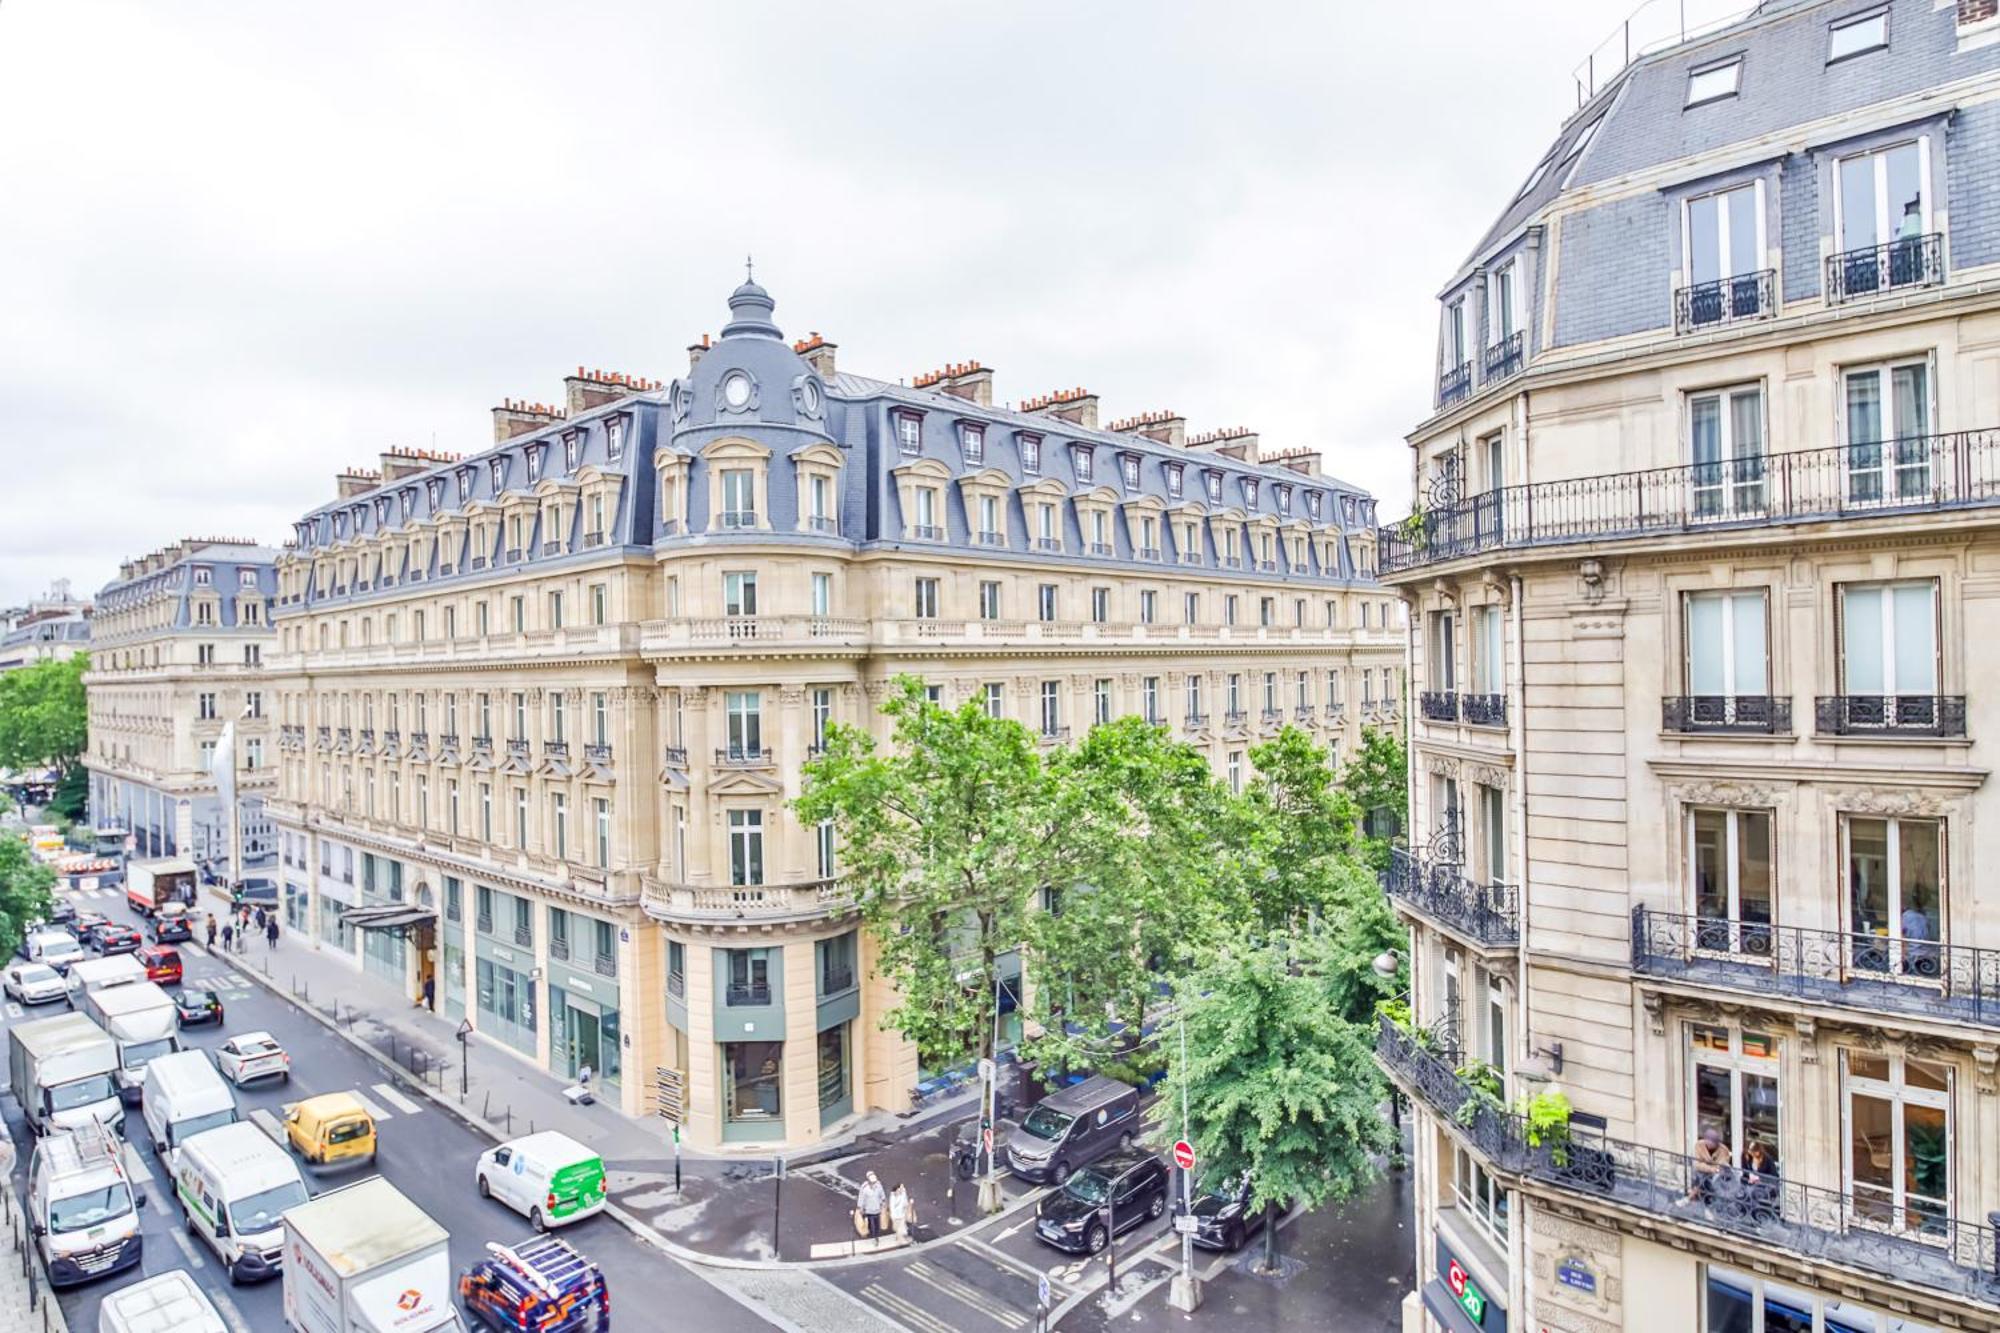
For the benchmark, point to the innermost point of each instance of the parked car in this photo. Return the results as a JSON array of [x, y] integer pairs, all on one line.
[[87, 921], [163, 964], [34, 983], [1111, 1197], [1223, 1219], [195, 1005], [249, 1056], [62, 912], [112, 937], [1073, 1127]]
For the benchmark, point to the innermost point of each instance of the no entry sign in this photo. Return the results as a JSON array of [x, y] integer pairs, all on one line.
[[1184, 1155]]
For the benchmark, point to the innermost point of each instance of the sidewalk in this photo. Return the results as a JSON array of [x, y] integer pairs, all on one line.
[[17, 1314], [733, 1209]]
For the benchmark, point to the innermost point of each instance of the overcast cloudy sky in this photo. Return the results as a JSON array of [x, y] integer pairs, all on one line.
[[246, 243]]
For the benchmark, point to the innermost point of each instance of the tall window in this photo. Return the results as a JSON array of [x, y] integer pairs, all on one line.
[[989, 599], [822, 715], [926, 599], [1190, 608], [1501, 315], [742, 713], [823, 845], [1194, 695], [601, 809], [1443, 653], [1729, 854], [1733, 1087], [1889, 648], [520, 818], [1149, 698], [558, 717], [746, 847], [600, 718], [485, 812], [1895, 894], [1454, 335], [1488, 665], [1880, 197], [1047, 531], [739, 498], [1898, 1122], [1725, 247], [520, 732], [1726, 448], [1888, 412], [1101, 702], [1235, 770], [1727, 655], [1051, 707], [1100, 604], [820, 494], [989, 519], [822, 594], [1149, 606], [927, 521], [1491, 849], [995, 699], [739, 593], [1045, 601], [600, 604], [559, 826]]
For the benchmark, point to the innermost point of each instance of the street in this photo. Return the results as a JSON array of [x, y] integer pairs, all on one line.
[[424, 1151]]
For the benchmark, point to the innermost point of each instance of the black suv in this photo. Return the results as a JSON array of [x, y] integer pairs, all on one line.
[[1110, 1197], [1222, 1216]]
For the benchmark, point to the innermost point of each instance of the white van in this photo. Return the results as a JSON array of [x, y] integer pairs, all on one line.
[[169, 1303], [549, 1178], [183, 1096], [58, 948], [96, 974], [232, 1183], [82, 1210]]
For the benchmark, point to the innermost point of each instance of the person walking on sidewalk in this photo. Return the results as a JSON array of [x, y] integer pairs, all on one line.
[[228, 936], [271, 932], [211, 932], [901, 1213], [869, 1203]]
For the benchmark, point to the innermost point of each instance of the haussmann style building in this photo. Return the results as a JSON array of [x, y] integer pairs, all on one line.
[[542, 710], [1706, 539]]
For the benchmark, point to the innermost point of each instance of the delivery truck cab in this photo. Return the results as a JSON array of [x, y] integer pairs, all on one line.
[[233, 1184], [364, 1259], [61, 1071], [141, 1023], [82, 1211], [184, 1095]]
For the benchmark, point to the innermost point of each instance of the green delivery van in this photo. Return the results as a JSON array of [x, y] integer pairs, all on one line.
[[548, 1177]]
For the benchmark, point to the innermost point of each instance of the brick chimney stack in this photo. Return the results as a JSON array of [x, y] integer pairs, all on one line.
[[818, 354], [399, 463], [355, 481], [594, 388], [1160, 427], [696, 351], [1077, 406], [1303, 460], [518, 416], [1230, 442], [961, 379]]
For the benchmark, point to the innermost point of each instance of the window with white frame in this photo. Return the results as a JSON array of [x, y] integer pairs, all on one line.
[[1888, 635], [1733, 1078], [822, 715], [1726, 449], [1488, 664], [927, 513], [972, 440], [1045, 601], [1051, 707], [1881, 196], [819, 493], [602, 820], [822, 594], [1502, 312], [1712, 83], [1897, 1140], [1442, 656], [1100, 604], [1490, 850], [909, 434], [1735, 1302], [1887, 415], [1727, 654], [1857, 34], [926, 599], [1723, 240], [739, 593], [1149, 606], [1101, 702], [823, 845], [1031, 454], [739, 498], [1895, 894], [996, 699], [1480, 1197], [989, 599], [1729, 862], [746, 847], [989, 519], [1149, 698], [1190, 608], [1455, 352], [1194, 696], [743, 718]]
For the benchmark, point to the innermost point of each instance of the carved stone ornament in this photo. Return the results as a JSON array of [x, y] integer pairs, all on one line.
[[1486, 775], [1443, 766], [1808, 1029], [1890, 801], [1656, 1011], [1738, 794], [791, 698], [1497, 586], [1986, 1077]]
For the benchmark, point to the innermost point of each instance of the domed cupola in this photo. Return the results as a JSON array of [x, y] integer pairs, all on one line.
[[750, 309], [751, 378]]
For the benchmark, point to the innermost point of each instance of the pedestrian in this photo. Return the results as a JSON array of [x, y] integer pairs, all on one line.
[[260, 919], [228, 935], [868, 1204], [901, 1211], [583, 1075], [430, 991], [211, 932], [271, 932]]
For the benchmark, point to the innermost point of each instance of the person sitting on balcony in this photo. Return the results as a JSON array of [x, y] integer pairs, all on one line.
[[1760, 1182], [1918, 957], [1711, 1158]]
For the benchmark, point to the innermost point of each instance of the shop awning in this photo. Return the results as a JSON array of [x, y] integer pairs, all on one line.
[[391, 916]]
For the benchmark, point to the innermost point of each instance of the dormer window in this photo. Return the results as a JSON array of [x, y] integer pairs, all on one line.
[[909, 434], [381, 510], [1858, 34], [1250, 492], [1081, 455], [572, 448], [434, 491], [972, 441], [1284, 494], [408, 495], [1712, 83], [614, 439], [499, 467], [535, 453], [1347, 511], [1174, 483], [1215, 487], [1314, 501], [203, 576], [1128, 467], [246, 578], [1031, 454], [467, 476]]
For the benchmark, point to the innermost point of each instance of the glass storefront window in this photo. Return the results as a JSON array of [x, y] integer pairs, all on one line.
[[1739, 1303], [454, 981], [506, 1001], [832, 1065], [753, 1073]]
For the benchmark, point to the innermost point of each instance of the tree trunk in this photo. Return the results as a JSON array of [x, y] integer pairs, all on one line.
[[1270, 1238]]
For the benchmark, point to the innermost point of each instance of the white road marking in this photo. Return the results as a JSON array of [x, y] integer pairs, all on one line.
[[181, 1239], [262, 1118], [13, 1010], [136, 1166], [397, 1099], [374, 1112], [913, 1315], [966, 1294]]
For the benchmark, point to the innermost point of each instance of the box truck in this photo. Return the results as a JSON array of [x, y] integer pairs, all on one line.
[[364, 1259], [149, 884], [62, 1071], [140, 1020]]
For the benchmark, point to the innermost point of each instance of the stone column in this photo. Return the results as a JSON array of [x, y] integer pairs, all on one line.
[[801, 1094], [704, 1069]]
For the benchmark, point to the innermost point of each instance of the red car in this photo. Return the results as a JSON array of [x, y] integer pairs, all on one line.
[[162, 964]]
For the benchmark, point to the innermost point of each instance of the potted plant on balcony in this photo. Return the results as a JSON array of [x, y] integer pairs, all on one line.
[[1486, 1091], [1545, 1124]]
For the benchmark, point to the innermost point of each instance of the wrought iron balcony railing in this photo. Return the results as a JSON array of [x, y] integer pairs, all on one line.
[[1734, 714], [1484, 710], [747, 993], [1890, 714], [1918, 1242], [1488, 913], [1707, 305], [1863, 970], [559, 948], [1503, 358], [927, 532], [605, 965], [737, 518], [555, 750], [597, 753], [1438, 705], [674, 756], [1454, 384], [1913, 474], [742, 756], [1915, 261]]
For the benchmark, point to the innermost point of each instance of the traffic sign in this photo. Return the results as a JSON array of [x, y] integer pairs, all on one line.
[[1042, 1290], [1187, 1224], [1184, 1155]]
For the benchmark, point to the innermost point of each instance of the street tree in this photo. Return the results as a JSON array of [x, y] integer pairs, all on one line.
[[1147, 824], [1377, 781], [946, 839], [1294, 829], [26, 889], [1277, 1083], [43, 721]]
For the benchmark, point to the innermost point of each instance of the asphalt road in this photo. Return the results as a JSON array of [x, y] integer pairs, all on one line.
[[424, 1151]]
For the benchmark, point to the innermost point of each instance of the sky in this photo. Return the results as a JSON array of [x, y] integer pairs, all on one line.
[[243, 245]]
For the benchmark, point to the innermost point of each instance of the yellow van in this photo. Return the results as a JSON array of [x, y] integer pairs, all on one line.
[[331, 1129]]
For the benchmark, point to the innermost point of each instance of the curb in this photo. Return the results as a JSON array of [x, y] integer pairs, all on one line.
[[626, 1219]]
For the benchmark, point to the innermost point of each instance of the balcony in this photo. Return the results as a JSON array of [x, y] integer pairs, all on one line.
[[593, 539], [1727, 714], [1303, 713], [1195, 721], [809, 901], [926, 532], [1438, 705], [1052, 735], [1502, 358], [1486, 913], [559, 948], [1865, 971], [1860, 1230], [751, 993], [604, 965], [1100, 548], [597, 753], [675, 756], [518, 750], [760, 632], [992, 539], [551, 548], [1271, 717], [1917, 261], [1878, 478], [1899, 715], [736, 518], [524, 936], [1732, 300], [739, 756], [482, 745], [1455, 384], [1235, 717], [1048, 543], [1483, 710], [556, 750], [1190, 557], [1149, 553], [823, 523]]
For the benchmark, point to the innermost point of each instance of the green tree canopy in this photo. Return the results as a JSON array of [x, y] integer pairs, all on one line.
[[1294, 830], [43, 719], [1277, 1082], [26, 889], [1377, 780]]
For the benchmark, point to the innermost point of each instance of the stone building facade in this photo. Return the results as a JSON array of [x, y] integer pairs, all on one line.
[[560, 693], [177, 647], [1706, 522]]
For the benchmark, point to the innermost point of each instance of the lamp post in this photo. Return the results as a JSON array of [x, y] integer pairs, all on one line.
[[1185, 1292], [1386, 965]]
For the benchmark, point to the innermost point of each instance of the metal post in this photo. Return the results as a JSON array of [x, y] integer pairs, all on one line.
[[1185, 1293], [989, 1188]]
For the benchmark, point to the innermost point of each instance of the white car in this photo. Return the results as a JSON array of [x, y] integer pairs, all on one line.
[[249, 1056], [34, 983]]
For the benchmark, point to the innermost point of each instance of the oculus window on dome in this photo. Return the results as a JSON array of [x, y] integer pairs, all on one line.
[[737, 392], [806, 396], [1712, 83]]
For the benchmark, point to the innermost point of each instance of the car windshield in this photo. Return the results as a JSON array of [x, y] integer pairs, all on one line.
[[34, 974], [89, 1209], [347, 1130], [260, 1212], [83, 1092], [1044, 1123], [187, 1129], [1087, 1186], [65, 948], [137, 1053]]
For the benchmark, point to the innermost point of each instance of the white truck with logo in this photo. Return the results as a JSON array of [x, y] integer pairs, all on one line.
[[142, 1021], [364, 1259], [151, 884], [62, 1071], [234, 1185]]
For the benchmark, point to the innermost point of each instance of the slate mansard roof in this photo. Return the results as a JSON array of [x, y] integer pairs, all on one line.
[[231, 569]]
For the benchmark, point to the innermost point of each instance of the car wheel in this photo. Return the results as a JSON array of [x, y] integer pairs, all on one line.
[[1156, 1207], [485, 1190], [235, 1277], [1060, 1175], [1093, 1240], [535, 1220]]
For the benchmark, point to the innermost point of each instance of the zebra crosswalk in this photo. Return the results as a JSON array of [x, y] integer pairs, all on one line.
[[387, 1092]]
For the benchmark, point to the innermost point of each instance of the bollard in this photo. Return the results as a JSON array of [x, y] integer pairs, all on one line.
[[486, 1107]]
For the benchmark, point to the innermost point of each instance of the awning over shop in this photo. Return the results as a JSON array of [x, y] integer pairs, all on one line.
[[398, 917]]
